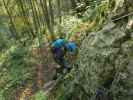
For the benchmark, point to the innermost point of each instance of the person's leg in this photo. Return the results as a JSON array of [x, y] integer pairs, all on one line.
[[63, 67], [59, 59], [58, 73]]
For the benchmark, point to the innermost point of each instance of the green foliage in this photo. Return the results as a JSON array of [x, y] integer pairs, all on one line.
[[16, 67], [3, 42], [39, 96], [99, 13], [92, 3], [68, 24]]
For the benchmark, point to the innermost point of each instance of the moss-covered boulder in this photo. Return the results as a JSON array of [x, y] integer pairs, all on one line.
[[106, 61]]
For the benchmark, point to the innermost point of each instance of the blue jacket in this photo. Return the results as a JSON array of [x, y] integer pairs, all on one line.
[[58, 43]]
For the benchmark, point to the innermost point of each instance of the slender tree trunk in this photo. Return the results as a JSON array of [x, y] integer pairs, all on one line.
[[34, 17], [44, 6], [22, 7], [12, 27], [45, 12], [59, 14], [51, 15]]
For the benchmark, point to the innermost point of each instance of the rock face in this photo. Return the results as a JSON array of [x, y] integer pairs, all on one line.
[[106, 61]]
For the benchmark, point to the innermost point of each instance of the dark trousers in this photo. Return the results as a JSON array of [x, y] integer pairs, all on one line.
[[58, 55]]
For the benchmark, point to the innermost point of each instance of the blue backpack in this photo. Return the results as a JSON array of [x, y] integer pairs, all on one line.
[[71, 47]]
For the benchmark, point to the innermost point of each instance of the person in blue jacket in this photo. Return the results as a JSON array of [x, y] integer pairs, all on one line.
[[59, 48]]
